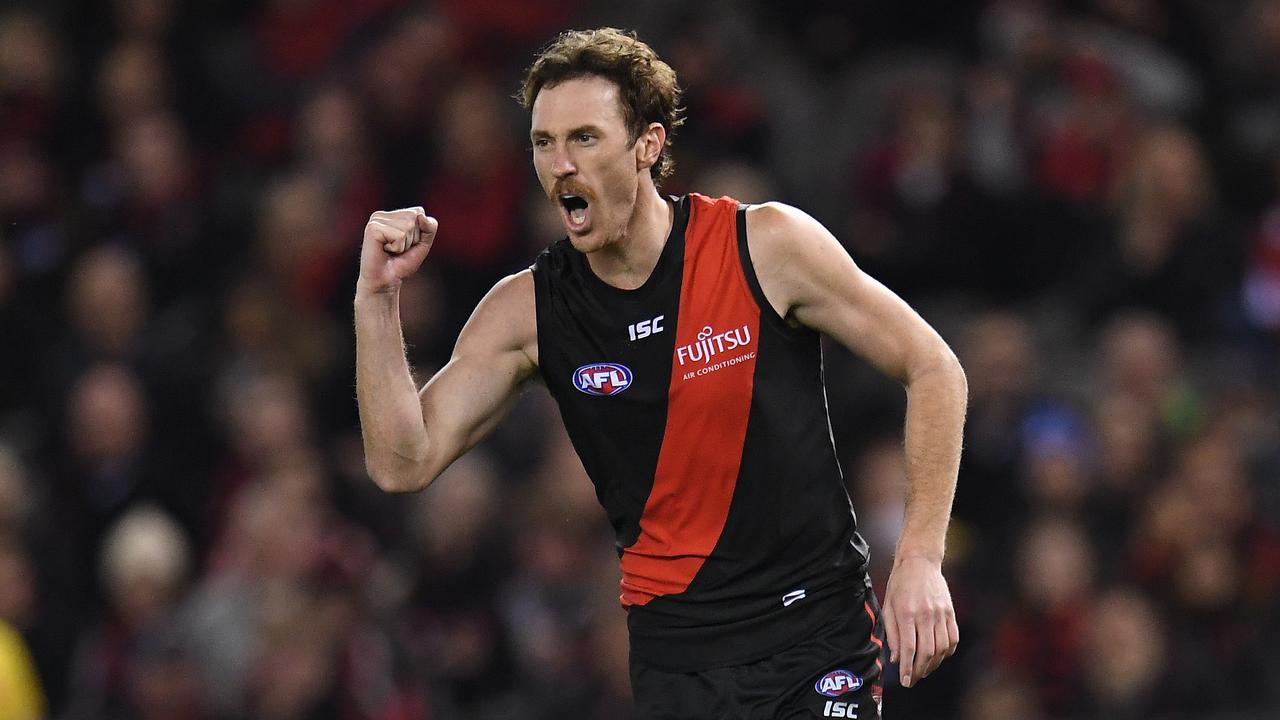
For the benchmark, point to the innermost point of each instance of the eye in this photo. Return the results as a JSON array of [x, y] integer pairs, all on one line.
[[584, 137], [541, 143]]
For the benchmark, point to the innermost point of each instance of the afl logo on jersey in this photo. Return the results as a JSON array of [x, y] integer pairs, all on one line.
[[837, 683], [602, 378]]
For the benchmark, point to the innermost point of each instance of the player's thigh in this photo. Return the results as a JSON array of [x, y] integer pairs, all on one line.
[[662, 695], [848, 681]]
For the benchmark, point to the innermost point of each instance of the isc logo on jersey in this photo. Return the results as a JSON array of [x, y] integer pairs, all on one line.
[[837, 683], [602, 378]]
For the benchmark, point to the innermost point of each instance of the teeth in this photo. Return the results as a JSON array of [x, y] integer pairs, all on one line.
[[578, 215]]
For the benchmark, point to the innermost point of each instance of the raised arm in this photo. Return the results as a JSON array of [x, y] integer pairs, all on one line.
[[809, 279], [410, 437]]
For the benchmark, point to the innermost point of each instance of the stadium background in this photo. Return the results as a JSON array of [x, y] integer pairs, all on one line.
[[1084, 197]]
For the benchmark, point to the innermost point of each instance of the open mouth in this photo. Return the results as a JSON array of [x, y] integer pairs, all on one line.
[[575, 209]]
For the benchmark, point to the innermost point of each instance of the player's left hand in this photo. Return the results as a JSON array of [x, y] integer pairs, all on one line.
[[919, 618]]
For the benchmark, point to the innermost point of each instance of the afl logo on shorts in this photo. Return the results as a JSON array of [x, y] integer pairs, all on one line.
[[837, 683], [602, 378]]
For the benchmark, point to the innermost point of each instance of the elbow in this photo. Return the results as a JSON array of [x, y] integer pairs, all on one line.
[[958, 380], [956, 370], [941, 370], [397, 477]]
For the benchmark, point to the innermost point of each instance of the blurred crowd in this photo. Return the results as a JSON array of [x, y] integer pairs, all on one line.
[[1084, 197]]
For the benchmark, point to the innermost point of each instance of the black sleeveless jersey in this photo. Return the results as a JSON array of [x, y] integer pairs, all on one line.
[[700, 416]]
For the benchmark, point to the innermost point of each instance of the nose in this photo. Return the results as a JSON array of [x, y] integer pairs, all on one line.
[[562, 165]]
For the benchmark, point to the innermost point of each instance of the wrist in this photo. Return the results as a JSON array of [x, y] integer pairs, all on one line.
[[370, 291], [930, 555]]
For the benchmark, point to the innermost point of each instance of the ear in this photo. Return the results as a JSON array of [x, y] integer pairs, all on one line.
[[649, 146]]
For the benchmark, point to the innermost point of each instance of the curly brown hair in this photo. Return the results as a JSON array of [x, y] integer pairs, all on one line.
[[646, 84]]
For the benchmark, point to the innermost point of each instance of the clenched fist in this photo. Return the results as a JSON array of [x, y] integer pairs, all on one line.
[[395, 244]]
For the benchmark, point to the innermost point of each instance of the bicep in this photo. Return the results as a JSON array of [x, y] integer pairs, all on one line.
[[469, 396], [465, 401], [869, 319], [824, 289]]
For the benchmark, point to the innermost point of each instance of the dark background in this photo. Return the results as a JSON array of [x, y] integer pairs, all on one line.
[[1081, 196]]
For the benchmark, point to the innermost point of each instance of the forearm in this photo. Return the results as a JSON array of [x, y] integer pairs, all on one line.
[[936, 401], [391, 422]]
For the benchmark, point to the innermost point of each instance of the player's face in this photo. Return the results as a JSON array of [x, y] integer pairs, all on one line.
[[586, 159]]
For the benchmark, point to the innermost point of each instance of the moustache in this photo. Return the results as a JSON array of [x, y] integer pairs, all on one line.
[[569, 188]]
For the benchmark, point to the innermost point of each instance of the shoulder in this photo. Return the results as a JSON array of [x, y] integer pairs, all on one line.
[[792, 253], [511, 297], [506, 317], [777, 225], [514, 288]]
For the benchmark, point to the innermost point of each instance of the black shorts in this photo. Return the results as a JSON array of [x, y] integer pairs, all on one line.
[[836, 673]]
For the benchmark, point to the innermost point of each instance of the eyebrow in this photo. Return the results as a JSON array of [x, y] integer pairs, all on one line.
[[593, 129]]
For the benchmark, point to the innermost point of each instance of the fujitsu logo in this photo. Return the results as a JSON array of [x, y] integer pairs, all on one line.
[[710, 344]]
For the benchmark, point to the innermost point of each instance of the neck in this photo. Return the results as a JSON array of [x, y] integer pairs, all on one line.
[[628, 262]]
